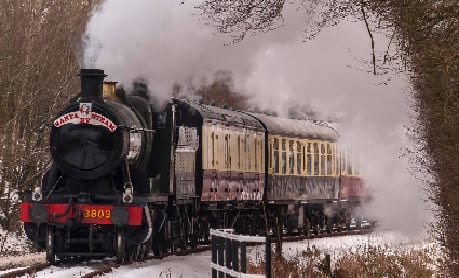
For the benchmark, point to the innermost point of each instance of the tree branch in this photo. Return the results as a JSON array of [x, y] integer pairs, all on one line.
[[362, 8]]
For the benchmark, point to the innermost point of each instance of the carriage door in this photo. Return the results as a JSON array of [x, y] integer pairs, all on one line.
[[185, 159]]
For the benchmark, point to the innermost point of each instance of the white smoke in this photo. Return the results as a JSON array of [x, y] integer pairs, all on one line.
[[163, 42]]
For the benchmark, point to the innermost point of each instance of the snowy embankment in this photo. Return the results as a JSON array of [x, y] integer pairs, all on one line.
[[14, 252], [198, 265], [340, 246], [12, 243], [337, 246]]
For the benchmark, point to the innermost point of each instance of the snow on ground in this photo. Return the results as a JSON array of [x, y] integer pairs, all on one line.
[[334, 246], [7, 262], [15, 251], [338, 246], [63, 271], [193, 266], [11, 243], [198, 265]]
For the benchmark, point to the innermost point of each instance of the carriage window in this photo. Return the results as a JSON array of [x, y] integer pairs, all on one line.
[[249, 151], [242, 153], [316, 156], [349, 164], [335, 160], [284, 157], [304, 159], [276, 156], [270, 155], [227, 151], [255, 152], [291, 158], [356, 169], [298, 157], [343, 162], [329, 160], [336, 155], [333, 155], [284, 162], [309, 159], [213, 148], [357, 164], [262, 165], [239, 152], [323, 160], [349, 168]]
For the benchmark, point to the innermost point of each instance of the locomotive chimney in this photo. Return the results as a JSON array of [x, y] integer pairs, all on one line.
[[91, 83]]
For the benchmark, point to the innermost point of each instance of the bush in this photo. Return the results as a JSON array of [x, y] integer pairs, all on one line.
[[371, 261]]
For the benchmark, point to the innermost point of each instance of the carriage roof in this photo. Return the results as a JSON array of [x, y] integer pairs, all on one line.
[[297, 128], [274, 125], [227, 116]]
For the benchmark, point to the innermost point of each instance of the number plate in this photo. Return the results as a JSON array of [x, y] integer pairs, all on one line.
[[97, 213]]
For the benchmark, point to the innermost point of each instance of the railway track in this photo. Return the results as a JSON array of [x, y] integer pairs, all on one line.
[[101, 271], [102, 268], [324, 235], [26, 271], [97, 269]]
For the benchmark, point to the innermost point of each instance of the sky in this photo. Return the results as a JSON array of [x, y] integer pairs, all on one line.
[[167, 42]]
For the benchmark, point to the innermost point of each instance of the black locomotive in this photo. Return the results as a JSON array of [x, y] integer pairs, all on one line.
[[127, 180]]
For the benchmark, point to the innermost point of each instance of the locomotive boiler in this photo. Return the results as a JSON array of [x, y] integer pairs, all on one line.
[[100, 149], [127, 179]]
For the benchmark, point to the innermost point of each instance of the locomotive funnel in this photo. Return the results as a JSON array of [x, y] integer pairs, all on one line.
[[91, 83]]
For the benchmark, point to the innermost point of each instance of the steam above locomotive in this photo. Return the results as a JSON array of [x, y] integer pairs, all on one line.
[[126, 180]]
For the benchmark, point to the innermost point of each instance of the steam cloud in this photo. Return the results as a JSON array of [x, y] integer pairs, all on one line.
[[163, 42]]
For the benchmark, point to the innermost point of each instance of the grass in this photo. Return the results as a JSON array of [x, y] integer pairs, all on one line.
[[369, 261], [379, 262]]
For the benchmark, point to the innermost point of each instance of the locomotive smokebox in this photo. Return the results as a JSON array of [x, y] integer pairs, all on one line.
[[91, 83]]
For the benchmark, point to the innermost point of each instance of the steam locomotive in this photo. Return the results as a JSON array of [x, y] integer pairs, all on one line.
[[127, 180]]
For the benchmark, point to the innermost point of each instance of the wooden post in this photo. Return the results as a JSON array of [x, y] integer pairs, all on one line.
[[243, 257], [327, 268], [214, 255], [268, 256], [228, 255], [235, 251], [221, 255], [279, 234]]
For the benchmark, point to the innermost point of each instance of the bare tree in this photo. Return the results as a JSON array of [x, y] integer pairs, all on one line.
[[222, 93], [427, 34], [37, 74]]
